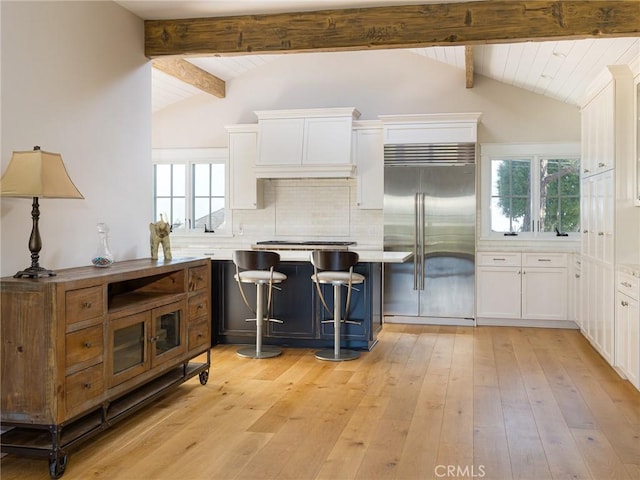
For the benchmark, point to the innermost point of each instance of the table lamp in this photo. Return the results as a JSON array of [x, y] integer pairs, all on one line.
[[37, 174]]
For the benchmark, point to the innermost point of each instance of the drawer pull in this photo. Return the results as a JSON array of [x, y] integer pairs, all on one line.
[[585, 231], [86, 305], [87, 345], [600, 234], [624, 304], [600, 164], [577, 276], [87, 386], [586, 170], [200, 306], [627, 284], [499, 259], [544, 259]]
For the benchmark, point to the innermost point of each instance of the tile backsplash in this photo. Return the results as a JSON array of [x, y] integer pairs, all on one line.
[[301, 209], [314, 210]]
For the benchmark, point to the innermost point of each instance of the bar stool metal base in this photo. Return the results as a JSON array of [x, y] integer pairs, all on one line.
[[265, 352], [331, 356]]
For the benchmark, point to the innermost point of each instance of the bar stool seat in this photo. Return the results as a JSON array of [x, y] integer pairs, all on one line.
[[257, 267], [335, 267]]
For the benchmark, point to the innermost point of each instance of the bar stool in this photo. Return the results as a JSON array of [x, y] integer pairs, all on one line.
[[257, 267], [335, 267]]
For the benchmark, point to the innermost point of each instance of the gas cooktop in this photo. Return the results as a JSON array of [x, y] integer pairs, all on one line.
[[303, 245]]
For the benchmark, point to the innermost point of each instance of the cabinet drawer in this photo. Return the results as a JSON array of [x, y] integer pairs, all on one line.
[[84, 345], [198, 278], [198, 305], [83, 386], [629, 285], [544, 260], [199, 334], [499, 259], [83, 304]]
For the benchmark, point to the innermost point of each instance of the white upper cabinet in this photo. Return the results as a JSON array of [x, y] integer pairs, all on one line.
[[430, 128], [245, 189], [368, 154], [305, 143]]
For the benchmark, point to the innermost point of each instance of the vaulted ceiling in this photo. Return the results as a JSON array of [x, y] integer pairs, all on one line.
[[558, 68]]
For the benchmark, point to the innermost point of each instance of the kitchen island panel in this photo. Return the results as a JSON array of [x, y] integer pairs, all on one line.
[[298, 306]]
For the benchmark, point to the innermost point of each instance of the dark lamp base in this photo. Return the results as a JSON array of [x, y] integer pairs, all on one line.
[[35, 272]]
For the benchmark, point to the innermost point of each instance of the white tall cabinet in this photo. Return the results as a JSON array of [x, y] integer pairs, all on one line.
[[610, 226]]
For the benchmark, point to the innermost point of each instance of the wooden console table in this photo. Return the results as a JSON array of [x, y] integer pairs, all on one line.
[[85, 348]]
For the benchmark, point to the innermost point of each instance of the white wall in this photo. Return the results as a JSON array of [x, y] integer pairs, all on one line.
[[75, 81], [376, 83]]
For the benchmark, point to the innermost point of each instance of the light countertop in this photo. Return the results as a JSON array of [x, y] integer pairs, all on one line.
[[373, 256]]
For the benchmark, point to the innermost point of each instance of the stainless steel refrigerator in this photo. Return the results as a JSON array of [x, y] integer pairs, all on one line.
[[430, 210]]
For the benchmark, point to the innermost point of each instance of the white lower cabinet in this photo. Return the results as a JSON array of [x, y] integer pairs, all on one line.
[[627, 358], [597, 314], [522, 286]]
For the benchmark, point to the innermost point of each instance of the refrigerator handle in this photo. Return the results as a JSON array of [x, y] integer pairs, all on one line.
[[416, 230], [422, 240]]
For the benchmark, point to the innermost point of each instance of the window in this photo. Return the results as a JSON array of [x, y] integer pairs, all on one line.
[[531, 190], [190, 188]]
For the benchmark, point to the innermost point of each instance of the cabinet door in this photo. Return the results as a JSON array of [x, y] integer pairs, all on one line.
[[544, 293], [293, 304], [369, 158], [606, 312], [168, 332], [128, 353], [327, 141], [280, 141], [498, 292], [633, 342], [245, 192]]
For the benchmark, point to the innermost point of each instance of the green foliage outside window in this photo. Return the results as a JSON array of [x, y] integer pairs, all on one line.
[[515, 184]]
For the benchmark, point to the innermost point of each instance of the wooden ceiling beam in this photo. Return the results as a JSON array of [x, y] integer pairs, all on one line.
[[468, 65], [402, 26], [189, 73]]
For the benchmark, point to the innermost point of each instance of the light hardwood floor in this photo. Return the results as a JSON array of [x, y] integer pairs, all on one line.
[[427, 402]]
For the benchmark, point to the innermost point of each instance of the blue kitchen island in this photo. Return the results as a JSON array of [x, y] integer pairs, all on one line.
[[305, 322]]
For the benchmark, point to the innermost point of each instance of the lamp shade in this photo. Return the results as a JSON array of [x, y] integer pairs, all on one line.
[[37, 174]]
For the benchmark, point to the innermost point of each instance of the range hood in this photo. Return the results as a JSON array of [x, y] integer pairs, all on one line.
[[305, 143]]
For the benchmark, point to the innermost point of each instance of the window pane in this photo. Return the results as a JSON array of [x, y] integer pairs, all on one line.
[[179, 179], [217, 179], [520, 177], [499, 221], [201, 180], [500, 177], [521, 214], [163, 180], [559, 195], [163, 205], [179, 213], [201, 211], [511, 199], [570, 215]]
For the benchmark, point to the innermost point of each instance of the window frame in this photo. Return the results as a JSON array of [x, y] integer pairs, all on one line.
[[535, 153], [190, 157]]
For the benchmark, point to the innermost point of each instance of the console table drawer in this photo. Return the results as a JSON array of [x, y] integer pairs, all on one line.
[[199, 334], [83, 304], [198, 305], [198, 278], [84, 345], [83, 386]]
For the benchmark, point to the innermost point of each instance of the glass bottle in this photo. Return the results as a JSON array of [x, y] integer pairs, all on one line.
[[103, 257]]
